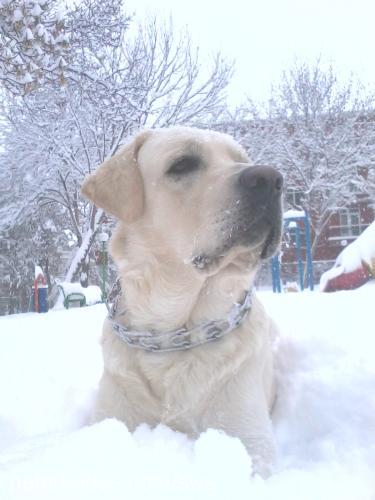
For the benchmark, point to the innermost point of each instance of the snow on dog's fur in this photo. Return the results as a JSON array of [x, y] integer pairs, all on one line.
[[195, 222]]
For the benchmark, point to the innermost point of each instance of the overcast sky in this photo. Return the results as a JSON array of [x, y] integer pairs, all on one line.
[[265, 36]]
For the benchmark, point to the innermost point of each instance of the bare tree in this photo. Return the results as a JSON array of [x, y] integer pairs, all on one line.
[[117, 84], [320, 133], [325, 140]]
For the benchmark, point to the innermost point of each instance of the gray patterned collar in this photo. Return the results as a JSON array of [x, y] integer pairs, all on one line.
[[182, 338]]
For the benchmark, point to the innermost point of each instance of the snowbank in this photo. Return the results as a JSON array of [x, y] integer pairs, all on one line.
[[323, 418], [361, 250], [360, 254], [92, 293]]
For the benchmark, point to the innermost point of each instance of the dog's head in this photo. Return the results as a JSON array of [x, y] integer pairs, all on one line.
[[194, 193]]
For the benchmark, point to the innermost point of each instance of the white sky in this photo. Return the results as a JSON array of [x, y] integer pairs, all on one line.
[[265, 36]]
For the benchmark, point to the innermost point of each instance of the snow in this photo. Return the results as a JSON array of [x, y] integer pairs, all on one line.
[[294, 214], [92, 293], [329, 275], [80, 254], [361, 251], [26, 78], [323, 418], [17, 15], [24, 22], [36, 10], [38, 272], [292, 224], [28, 34]]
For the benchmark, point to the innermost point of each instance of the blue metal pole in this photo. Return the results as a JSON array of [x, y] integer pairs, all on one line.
[[278, 273], [273, 275], [299, 255], [275, 269], [309, 262]]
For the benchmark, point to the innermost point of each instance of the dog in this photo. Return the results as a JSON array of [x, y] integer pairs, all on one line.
[[189, 344]]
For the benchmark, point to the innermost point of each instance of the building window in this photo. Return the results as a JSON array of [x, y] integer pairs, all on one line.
[[350, 222], [290, 235], [294, 198]]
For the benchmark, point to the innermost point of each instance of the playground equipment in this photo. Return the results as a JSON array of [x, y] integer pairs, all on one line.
[[296, 223], [40, 289], [72, 299]]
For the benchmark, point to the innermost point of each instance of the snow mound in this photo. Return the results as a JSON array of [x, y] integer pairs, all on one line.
[[107, 462], [359, 253], [323, 418], [361, 250], [92, 293]]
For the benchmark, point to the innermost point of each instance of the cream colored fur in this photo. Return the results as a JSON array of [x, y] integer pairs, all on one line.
[[226, 384]]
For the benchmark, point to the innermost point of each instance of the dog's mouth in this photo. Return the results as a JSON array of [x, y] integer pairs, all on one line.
[[272, 243], [259, 239], [268, 245], [206, 262]]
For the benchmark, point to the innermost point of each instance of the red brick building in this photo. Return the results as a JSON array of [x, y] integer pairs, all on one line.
[[344, 226]]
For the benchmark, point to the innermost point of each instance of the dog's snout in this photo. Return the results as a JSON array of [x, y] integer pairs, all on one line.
[[261, 181]]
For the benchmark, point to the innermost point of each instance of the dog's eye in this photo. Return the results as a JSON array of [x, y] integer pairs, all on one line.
[[184, 165]]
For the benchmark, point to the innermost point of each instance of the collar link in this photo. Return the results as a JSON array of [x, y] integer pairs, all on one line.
[[181, 338]]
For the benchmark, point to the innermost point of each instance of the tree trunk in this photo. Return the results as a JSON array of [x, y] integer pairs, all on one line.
[[84, 272], [79, 265], [315, 243]]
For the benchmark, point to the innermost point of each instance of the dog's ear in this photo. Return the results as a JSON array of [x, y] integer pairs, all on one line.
[[117, 184]]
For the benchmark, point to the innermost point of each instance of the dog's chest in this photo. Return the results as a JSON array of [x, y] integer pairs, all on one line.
[[173, 383]]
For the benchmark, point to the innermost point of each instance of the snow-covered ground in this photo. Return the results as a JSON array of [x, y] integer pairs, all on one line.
[[324, 418]]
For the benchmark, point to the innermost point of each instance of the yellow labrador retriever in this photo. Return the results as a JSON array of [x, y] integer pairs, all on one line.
[[187, 343]]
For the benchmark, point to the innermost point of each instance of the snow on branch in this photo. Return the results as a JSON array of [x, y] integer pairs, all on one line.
[[116, 82], [34, 44]]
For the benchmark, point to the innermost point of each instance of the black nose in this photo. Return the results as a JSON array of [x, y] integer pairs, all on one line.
[[261, 182]]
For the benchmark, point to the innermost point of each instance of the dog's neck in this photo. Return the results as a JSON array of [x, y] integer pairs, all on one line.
[[171, 294]]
